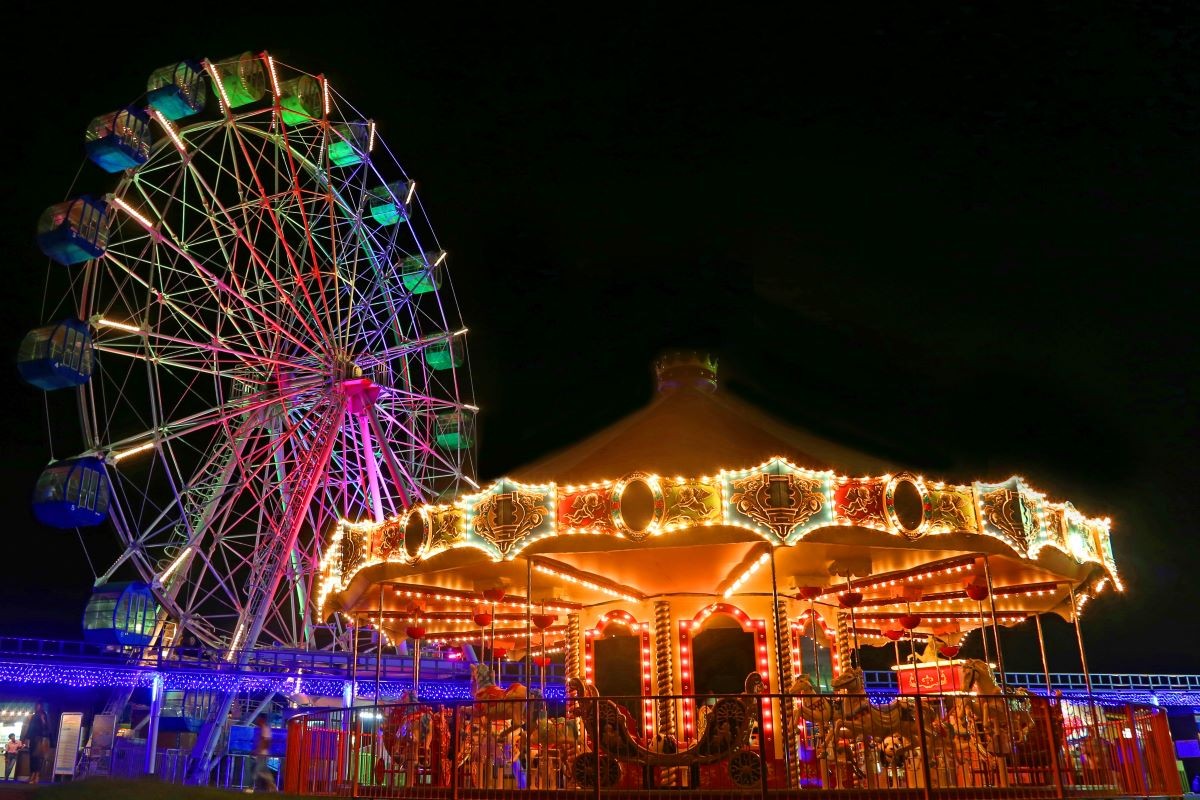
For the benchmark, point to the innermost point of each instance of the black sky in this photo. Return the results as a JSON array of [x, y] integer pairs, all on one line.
[[965, 239]]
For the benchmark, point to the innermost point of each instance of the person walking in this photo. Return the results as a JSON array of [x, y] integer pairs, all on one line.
[[36, 737], [264, 779], [12, 754]]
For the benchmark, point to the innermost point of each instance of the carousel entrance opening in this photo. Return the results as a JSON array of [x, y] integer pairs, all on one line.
[[816, 659], [618, 659], [723, 655]]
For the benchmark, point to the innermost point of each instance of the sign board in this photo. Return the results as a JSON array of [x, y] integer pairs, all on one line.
[[70, 728], [104, 729], [932, 678]]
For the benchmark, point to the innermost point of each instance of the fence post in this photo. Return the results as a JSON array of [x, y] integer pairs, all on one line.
[[1138, 756], [1053, 743], [596, 744], [924, 747], [454, 752], [762, 748], [355, 750]]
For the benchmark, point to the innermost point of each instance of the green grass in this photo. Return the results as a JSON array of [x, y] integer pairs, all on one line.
[[102, 789]]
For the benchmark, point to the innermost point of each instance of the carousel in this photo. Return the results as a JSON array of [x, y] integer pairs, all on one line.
[[708, 576]]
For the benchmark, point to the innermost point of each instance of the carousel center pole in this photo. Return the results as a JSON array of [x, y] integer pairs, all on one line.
[[855, 661], [1042, 647]]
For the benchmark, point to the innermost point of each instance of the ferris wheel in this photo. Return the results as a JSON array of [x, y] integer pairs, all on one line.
[[259, 325]]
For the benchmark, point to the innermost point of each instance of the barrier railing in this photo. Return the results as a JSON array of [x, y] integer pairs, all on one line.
[[265, 660], [734, 745]]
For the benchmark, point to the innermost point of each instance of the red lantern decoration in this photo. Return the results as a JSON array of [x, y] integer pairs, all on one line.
[[415, 632], [542, 661], [543, 621], [894, 634], [976, 591], [910, 621], [482, 618], [494, 595], [808, 592], [949, 651], [500, 652], [850, 599]]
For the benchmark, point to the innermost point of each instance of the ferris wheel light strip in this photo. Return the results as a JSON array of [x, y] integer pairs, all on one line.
[[175, 564], [121, 326], [412, 189], [325, 93], [370, 135], [170, 129], [132, 451], [121, 204], [274, 75], [222, 98]]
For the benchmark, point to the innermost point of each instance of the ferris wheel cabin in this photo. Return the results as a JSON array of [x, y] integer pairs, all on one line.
[[300, 100], [120, 614], [57, 356], [423, 273], [348, 144], [177, 90], [119, 140], [72, 493], [444, 355], [389, 203], [243, 80], [74, 231]]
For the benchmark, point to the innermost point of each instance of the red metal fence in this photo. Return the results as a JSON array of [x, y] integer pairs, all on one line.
[[944, 746]]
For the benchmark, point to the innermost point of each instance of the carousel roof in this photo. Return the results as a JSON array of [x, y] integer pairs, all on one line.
[[693, 495], [692, 428]]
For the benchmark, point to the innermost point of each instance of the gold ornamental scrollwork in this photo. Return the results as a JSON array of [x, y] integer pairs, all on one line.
[[780, 502], [1004, 511], [506, 519]]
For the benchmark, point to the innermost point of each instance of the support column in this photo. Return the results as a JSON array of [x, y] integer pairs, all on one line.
[[574, 661], [845, 644], [783, 679], [156, 701], [664, 674]]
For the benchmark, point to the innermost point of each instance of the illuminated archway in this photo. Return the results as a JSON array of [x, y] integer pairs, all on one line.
[[606, 679], [689, 630]]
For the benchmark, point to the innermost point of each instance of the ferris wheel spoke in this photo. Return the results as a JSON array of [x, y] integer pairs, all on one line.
[[260, 262], [425, 448], [214, 283], [281, 237]]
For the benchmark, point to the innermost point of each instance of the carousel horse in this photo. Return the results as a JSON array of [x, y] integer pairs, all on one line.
[[407, 724], [495, 703], [808, 701], [999, 719]]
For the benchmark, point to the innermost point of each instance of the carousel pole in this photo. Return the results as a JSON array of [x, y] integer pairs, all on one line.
[[1087, 677], [379, 647], [856, 662], [983, 631], [987, 574], [1042, 646], [783, 663], [812, 618], [528, 622]]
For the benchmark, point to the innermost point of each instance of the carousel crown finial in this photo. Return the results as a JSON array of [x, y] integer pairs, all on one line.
[[686, 369]]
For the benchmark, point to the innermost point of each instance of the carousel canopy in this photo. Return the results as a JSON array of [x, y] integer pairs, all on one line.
[[694, 495]]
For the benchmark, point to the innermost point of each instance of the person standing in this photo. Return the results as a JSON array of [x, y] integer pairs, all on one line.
[[36, 737], [264, 779], [12, 754]]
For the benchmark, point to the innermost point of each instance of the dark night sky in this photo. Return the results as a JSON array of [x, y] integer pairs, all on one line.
[[966, 241]]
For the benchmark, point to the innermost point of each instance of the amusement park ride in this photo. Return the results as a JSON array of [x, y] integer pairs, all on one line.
[[257, 324], [276, 419]]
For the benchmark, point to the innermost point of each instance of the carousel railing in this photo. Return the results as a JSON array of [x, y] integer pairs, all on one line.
[[734, 745]]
